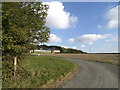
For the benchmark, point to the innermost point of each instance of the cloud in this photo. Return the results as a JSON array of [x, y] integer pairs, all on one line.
[[91, 43], [112, 39], [73, 21], [88, 38], [74, 47], [54, 39], [106, 36], [112, 17], [65, 46], [112, 24], [71, 40], [99, 26], [58, 18], [82, 46]]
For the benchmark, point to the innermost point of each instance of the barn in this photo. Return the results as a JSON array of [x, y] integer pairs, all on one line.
[[47, 49]]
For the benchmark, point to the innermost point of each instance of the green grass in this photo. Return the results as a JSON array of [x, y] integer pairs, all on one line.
[[37, 53], [41, 53], [38, 70]]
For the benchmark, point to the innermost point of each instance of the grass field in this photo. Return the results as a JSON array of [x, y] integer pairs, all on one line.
[[103, 58], [38, 71]]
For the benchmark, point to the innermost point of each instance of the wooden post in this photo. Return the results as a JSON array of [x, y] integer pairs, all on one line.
[[15, 65]]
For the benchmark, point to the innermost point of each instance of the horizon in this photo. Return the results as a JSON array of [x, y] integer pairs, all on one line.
[[82, 50]]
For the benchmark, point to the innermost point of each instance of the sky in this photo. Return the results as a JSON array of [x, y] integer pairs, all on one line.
[[87, 26]]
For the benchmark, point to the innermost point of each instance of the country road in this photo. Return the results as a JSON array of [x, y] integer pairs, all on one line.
[[93, 75]]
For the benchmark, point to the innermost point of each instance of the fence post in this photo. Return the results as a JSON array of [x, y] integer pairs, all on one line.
[[15, 65]]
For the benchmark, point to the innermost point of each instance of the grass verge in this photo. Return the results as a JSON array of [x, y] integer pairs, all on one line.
[[39, 71], [0, 73]]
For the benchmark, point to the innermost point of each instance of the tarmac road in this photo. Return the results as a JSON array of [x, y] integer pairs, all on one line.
[[93, 75]]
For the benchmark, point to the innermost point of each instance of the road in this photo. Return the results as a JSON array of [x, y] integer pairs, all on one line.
[[93, 75]]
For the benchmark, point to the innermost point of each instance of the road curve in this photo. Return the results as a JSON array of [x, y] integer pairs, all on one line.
[[93, 75]]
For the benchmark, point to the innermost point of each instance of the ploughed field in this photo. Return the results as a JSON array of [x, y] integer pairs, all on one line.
[[103, 58]]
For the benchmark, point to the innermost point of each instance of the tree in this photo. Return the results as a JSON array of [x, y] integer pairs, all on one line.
[[0, 26], [23, 24]]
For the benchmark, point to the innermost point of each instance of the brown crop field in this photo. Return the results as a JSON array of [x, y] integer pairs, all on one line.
[[103, 58]]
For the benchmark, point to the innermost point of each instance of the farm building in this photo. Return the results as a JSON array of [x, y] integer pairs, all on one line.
[[47, 49], [55, 51]]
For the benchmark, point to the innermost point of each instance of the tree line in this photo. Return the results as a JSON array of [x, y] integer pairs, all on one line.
[[62, 49]]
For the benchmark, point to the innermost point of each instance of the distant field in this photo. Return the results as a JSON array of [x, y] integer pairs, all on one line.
[[105, 58], [38, 71]]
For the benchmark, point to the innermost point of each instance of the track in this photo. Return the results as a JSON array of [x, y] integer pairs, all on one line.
[[93, 75]]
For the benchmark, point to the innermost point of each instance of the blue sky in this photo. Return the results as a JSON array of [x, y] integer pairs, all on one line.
[[88, 26]]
